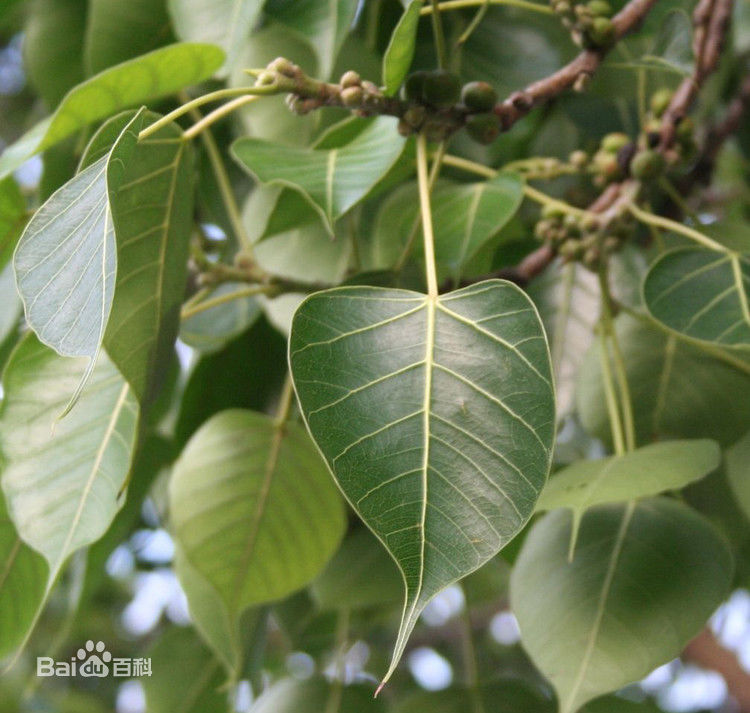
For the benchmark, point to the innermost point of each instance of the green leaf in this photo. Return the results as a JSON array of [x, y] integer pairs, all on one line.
[[23, 579], [185, 677], [151, 76], [53, 45], [226, 23], [13, 218], [12, 308], [613, 704], [118, 30], [702, 294], [152, 212], [314, 695], [647, 471], [66, 259], [62, 478], [360, 575], [619, 609], [253, 509], [678, 390], [737, 466], [333, 181], [400, 52], [323, 24], [436, 418]]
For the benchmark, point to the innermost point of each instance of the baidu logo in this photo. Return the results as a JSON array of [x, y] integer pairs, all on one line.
[[93, 660]]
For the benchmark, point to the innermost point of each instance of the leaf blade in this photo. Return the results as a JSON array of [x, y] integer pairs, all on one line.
[[400, 52]]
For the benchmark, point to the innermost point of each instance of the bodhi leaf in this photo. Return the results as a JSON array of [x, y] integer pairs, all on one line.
[[650, 470], [23, 579], [314, 696], [702, 294], [152, 212], [400, 51], [62, 478], [619, 609], [66, 259], [253, 509], [150, 76], [13, 218], [334, 180], [435, 416], [226, 23]]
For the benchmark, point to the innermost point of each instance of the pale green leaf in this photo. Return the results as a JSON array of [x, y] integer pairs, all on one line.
[[314, 695], [619, 609], [702, 294], [10, 301], [66, 260], [253, 508], [23, 580], [226, 23], [436, 418], [323, 24], [333, 181], [678, 390], [153, 75], [62, 478], [400, 51], [737, 467], [13, 217]]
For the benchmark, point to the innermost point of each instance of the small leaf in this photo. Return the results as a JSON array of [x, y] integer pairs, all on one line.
[[23, 580], [157, 74], [13, 217], [400, 51], [436, 418], [313, 695], [253, 509], [702, 294], [62, 478], [226, 23], [737, 466], [619, 609], [333, 181], [66, 259]]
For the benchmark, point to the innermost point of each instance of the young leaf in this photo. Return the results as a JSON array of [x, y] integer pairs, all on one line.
[[436, 417], [152, 212], [13, 218], [153, 75], [333, 181], [702, 294], [667, 379], [62, 478], [400, 51], [618, 610], [66, 259], [23, 579], [253, 509], [313, 696], [226, 23]]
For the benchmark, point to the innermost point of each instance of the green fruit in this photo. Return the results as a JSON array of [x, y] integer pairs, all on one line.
[[483, 128], [613, 142], [602, 32], [684, 130], [660, 101], [600, 8], [647, 164], [479, 96], [441, 89], [413, 86], [553, 210]]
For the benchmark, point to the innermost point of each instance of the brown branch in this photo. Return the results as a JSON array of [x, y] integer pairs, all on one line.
[[706, 651], [573, 74]]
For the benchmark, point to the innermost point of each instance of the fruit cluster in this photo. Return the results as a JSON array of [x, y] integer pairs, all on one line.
[[590, 23], [438, 105]]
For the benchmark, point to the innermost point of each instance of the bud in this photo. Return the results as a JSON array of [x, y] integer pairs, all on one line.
[[265, 79], [553, 210], [352, 97], [350, 79], [483, 128], [579, 159], [615, 141], [284, 67], [479, 96]]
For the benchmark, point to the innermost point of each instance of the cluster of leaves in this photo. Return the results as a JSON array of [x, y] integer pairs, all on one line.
[[330, 347]]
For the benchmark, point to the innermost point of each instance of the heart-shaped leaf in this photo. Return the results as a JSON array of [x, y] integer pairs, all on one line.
[[619, 609], [66, 259], [436, 417], [333, 180], [62, 478], [150, 76], [239, 499], [400, 52], [702, 294]]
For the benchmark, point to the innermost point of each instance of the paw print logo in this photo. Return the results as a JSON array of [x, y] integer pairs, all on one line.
[[94, 659]]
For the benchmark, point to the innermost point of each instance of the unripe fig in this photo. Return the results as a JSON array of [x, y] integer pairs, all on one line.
[[660, 101], [483, 128], [579, 159], [553, 210], [352, 96], [600, 8], [647, 164], [478, 96], [602, 32], [350, 79], [684, 130], [413, 86], [613, 142], [441, 89]]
